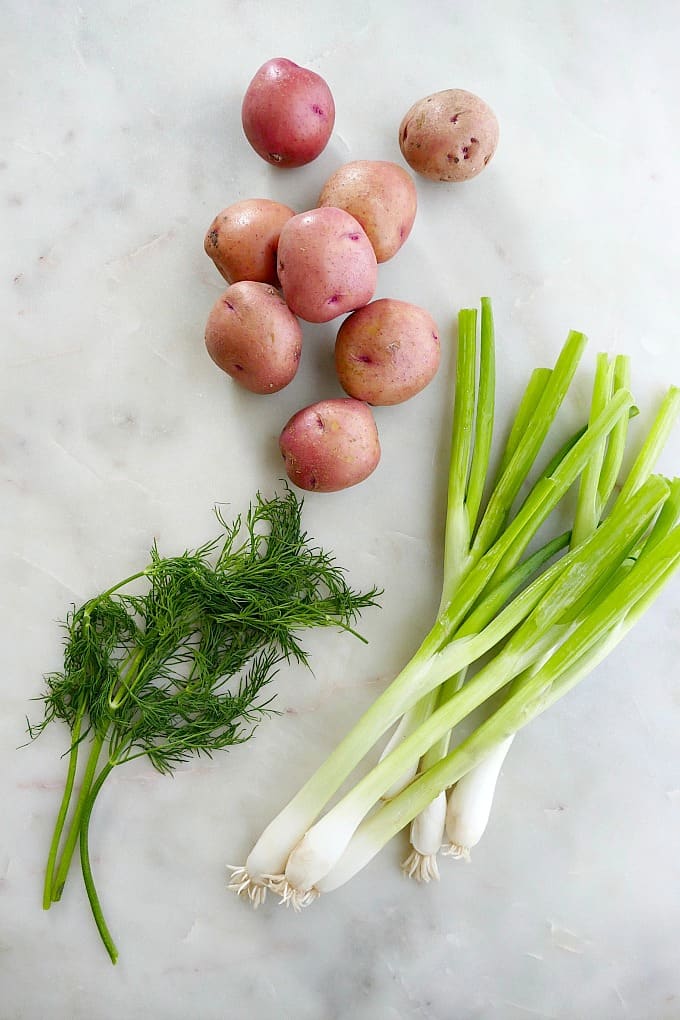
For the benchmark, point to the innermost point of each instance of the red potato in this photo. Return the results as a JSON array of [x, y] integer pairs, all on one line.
[[387, 352], [330, 445], [253, 336], [243, 238], [288, 113], [381, 196], [326, 264], [449, 136]]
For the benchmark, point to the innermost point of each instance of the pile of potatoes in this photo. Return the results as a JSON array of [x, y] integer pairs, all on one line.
[[318, 265]]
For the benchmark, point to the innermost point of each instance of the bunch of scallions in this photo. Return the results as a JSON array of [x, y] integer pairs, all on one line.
[[542, 619]]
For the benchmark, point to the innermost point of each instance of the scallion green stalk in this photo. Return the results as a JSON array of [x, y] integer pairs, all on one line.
[[576, 657], [598, 557], [427, 668]]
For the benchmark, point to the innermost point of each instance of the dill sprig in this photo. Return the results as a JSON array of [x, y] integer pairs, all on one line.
[[181, 667]]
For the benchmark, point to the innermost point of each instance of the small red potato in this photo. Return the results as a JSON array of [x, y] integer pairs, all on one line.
[[387, 352], [243, 238], [326, 264], [381, 196], [287, 113], [330, 445], [253, 336], [449, 136]]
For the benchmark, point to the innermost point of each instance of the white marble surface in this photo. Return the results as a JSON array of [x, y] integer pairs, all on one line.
[[120, 141]]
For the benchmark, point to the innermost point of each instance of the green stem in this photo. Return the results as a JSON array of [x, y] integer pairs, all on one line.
[[529, 444], [457, 536], [59, 880], [616, 444], [441, 747], [654, 442], [484, 417], [63, 810], [538, 380], [588, 506], [126, 682], [86, 867], [545, 495], [484, 613]]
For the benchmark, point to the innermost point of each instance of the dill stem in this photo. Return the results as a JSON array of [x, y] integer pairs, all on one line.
[[63, 810], [86, 868], [126, 682], [59, 880], [121, 584]]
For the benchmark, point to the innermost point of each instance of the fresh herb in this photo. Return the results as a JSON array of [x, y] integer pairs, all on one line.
[[176, 660]]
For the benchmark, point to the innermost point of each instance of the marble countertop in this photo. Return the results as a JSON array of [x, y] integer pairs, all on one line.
[[121, 140]]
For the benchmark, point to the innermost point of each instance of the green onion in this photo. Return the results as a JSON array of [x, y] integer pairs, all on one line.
[[541, 619], [577, 656]]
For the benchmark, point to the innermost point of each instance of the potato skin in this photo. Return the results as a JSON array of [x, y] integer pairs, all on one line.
[[287, 113], [243, 238], [330, 445], [449, 136], [387, 352], [253, 336], [381, 196], [326, 264]]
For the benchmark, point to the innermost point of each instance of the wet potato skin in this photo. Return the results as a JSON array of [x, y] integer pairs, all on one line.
[[253, 336], [381, 196], [387, 352], [326, 264], [449, 136], [243, 238], [330, 445], [287, 113]]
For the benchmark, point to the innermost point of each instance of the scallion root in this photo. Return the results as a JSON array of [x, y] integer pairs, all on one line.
[[256, 891], [460, 853], [297, 898], [421, 867]]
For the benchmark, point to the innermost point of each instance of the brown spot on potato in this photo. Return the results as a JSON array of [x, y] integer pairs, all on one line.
[[213, 236]]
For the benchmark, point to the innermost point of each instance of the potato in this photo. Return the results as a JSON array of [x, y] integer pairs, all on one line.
[[381, 196], [243, 238], [330, 445], [326, 264], [288, 113], [253, 336], [387, 352], [449, 136]]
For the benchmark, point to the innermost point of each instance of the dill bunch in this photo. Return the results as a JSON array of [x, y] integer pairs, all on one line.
[[182, 667]]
